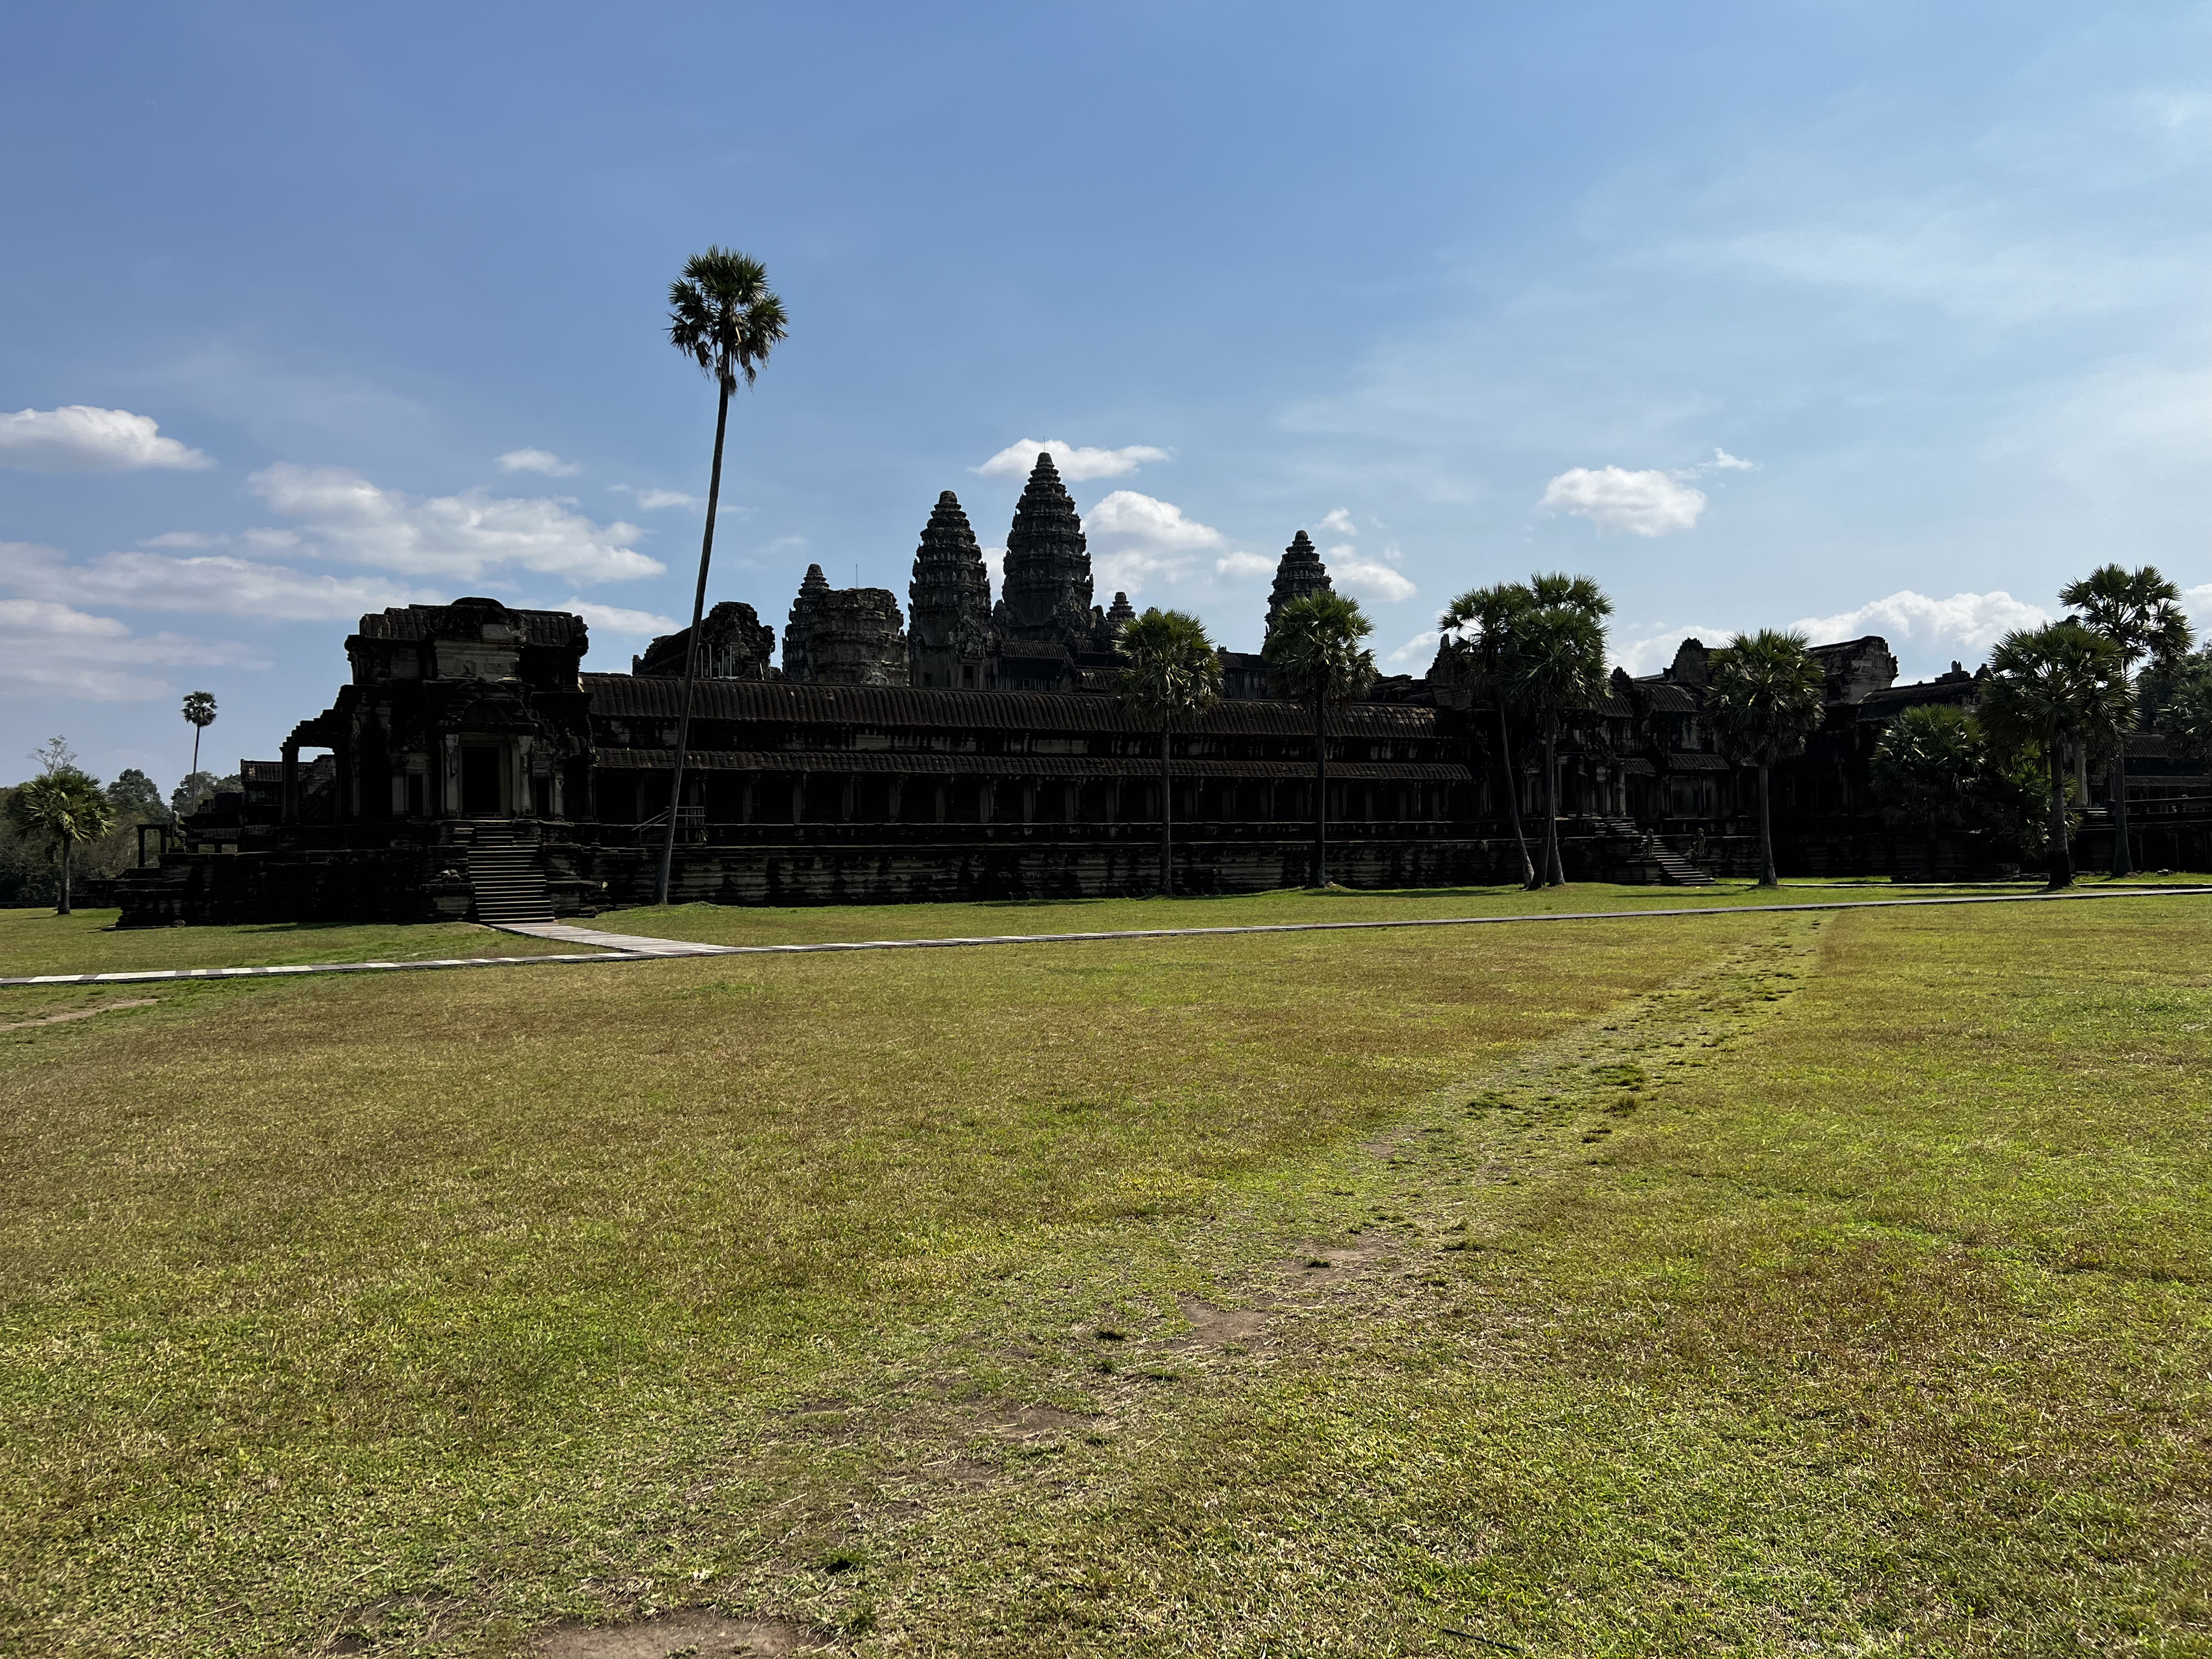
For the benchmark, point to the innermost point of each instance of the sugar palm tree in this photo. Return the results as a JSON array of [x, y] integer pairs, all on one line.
[[2140, 611], [1554, 663], [722, 315], [2060, 685], [1478, 626], [1765, 696], [1171, 672], [199, 713], [66, 805], [1313, 657]]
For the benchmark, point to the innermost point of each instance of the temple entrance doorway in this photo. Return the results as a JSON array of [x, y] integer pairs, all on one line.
[[479, 782]]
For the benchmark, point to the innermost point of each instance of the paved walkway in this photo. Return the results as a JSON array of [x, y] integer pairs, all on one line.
[[636, 947]]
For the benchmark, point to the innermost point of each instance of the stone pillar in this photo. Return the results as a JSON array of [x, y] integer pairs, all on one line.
[[896, 808], [987, 800], [291, 809], [745, 801], [845, 795], [799, 798]]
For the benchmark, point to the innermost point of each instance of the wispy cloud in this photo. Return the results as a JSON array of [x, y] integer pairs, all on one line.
[[1136, 537], [538, 460], [1244, 564], [342, 515], [79, 438], [214, 583], [654, 501], [54, 651], [1074, 462], [613, 619]]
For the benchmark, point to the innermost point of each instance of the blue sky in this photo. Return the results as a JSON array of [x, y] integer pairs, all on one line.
[[1873, 319]]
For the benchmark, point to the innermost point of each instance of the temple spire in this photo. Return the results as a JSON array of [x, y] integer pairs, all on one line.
[[1045, 597], [949, 619], [1299, 572]]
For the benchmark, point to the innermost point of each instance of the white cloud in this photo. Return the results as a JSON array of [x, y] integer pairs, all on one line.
[[1419, 650], [653, 501], [1338, 522], [50, 650], [1368, 577], [78, 438], [1135, 538], [538, 460], [1075, 463], [458, 538], [1725, 462], [613, 619], [1970, 623], [2199, 601], [995, 565], [1647, 503], [211, 582], [1244, 564]]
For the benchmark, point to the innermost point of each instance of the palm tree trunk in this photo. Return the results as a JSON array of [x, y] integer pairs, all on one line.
[[1167, 821], [1321, 792], [196, 729], [2124, 856], [1766, 876], [1555, 873], [68, 843], [2062, 856], [691, 647], [1513, 798]]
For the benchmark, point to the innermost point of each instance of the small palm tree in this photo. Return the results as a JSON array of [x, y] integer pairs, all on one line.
[[2140, 611], [66, 805], [2060, 685], [1765, 696], [1478, 626], [1169, 673], [1554, 663], [199, 712], [722, 315], [1313, 657]]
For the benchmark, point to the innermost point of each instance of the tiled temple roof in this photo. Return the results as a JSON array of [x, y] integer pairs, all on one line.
[[925, 761], [995, 711], [423, 622]]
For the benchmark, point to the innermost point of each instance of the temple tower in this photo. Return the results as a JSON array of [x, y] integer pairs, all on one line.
[[844, 636], [949, 628], [1299, 573], [1117, 613], [734, 644], [1046, 599]]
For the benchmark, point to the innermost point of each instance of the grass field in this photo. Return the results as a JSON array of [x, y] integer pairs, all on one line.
[[1731, 1283]]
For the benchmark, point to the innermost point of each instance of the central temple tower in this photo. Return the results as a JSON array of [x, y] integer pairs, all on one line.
[[1046, 599], [949, 604]]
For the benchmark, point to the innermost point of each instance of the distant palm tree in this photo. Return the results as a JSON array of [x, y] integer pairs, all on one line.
[[1766, 693], [1313, 657], [67, 805], [199, 710], [2059, 685], [2140, 611], [2186, 719], [723, 315], [1489, 612], [1554, 663], [1170, 671]]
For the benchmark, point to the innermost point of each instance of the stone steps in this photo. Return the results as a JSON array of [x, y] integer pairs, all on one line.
[[507, 884], [1678, 870]]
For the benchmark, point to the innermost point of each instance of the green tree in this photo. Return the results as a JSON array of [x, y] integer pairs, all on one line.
[[1313, 657], [2185, 712], [722, 315], [1170, 673], [1765, 696], [197, 790], [199, 714], [1477, 635], [2140, 611], [2058, 686], [134, 796], [1553, 663], [1937, 770], [62, 805]]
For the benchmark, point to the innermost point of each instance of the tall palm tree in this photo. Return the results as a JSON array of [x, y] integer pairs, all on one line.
[[1169, 672], [66, 805], [2140, 611], [1554, 663], [1490, 613], [2060, 685], [199, 712], [1313, 657], [722, 315], [1765, 696]]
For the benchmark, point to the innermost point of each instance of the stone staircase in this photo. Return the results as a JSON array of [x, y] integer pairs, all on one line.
[[507, 881], [1678, 870]]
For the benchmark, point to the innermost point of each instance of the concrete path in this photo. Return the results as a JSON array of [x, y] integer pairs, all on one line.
[[635, 947]]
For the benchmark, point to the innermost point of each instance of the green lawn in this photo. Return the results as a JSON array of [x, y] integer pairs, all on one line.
[[89, 942], [1740, 1284]]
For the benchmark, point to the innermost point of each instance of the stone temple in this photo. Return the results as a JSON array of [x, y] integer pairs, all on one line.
[[969, 749]]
